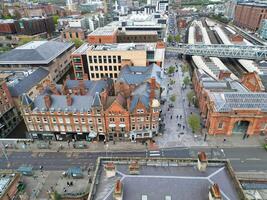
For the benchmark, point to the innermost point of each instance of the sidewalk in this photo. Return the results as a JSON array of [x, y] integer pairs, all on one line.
[[54, 146]]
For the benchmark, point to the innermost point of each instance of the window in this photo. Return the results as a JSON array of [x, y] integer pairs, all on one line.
[[115, 75], [100, 129], [111, 119], [147, 126], [67, 120], [111, 75], [102, 75], [40, 127], [97, 75], [90, 59], [93, 75], [115, 68], [133, 120], [140, 127], [83, 120], [133, 126], [29, 119], [220, 125], [119, 59], [54, 120], [105, 59], [37, 119], [109, 59], [106, 68], [153, 126], [44, 119], [114, 59], [96, 68], [119, 68], [77, 35], [91, 68], [110, 68], [90, 120], [122, 120], [101, 68], [122, 129], [99, 121], [100, 59], [147, 118]]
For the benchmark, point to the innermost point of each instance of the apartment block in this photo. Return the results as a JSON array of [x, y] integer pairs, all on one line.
[[9, 117], [106, 60], [53, 56]]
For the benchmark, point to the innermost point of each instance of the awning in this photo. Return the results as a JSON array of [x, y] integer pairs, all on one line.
[[122, 125], [92, 134], [112, 125]]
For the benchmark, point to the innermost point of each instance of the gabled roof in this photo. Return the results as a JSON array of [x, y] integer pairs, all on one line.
[[28, 82], [35, 52], [96, 100], [25, 100], [137, 75], [141, 93]]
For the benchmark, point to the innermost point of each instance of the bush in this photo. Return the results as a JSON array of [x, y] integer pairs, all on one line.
[[171, 70], [173, 98], [170, 38], [186, 80]]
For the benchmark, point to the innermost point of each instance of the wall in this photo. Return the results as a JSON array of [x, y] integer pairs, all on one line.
[[102, 39]]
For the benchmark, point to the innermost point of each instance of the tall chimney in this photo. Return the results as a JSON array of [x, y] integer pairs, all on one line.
[[152, 88], [118, 191], [85, 76], [82, 87], [69, 100], [48, 101], [214, 192], [54, 90]]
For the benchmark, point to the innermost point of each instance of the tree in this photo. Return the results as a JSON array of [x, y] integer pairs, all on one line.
[[171, 70], [170, 38], [172, 82], [173, 98], [55, 19], [194, 122], [185, 68], [191, 96], [177, 38], [186, 80], [77, 42], [55, 196]]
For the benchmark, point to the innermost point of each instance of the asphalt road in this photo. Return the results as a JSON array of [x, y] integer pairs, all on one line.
[[247, 159]]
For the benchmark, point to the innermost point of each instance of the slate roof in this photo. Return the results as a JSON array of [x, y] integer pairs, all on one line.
[[79, 103], [225, 102], [25, 100], [141, 93], [35, 52], [137, 75], [28, 82]]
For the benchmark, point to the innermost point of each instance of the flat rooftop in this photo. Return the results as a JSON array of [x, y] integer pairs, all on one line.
[[159, 178], [106, 30], [123, 47], [141, 32]]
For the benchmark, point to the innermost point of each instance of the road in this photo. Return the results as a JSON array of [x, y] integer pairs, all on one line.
[[242, 159]]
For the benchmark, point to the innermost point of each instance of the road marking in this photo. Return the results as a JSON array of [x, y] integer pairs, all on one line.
[[234, 158], [156, 154], [253, 159]]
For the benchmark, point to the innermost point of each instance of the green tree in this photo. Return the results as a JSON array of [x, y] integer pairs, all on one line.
[[55, 196], [191, 96], [177, 38], [77, 42], [55, 19], [194, 122], [173, 98], [172, 82], [24, 40], [171, 70], [170, 38], [186, 80], [185, 68]]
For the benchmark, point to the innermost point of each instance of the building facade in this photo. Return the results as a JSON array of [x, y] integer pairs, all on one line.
[[227, 107], [96, 110], [9, 117], [137, 36], [53, 56], [250, 15], [107, 60], [73, 33], [103, 35]]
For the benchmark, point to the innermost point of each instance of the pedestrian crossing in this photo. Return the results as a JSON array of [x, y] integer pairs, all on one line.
[[155, 153]]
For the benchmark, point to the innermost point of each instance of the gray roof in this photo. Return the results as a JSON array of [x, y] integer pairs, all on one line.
[[35, 52], [136, 75], [28, 82], [141, 93], [59, 103], [225, 102], [25, 100]]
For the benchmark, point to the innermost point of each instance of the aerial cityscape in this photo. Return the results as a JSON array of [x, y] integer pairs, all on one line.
[[133, 100]]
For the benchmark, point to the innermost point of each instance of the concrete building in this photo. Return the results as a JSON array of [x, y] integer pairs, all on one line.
[[107, 60], [166, 179], [73, 33], [53, 56], [9, 117], [250, 15], [228, 107], [93, 110], [8, 185]]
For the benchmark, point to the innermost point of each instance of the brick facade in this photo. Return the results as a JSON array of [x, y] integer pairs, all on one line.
[[224, 123]]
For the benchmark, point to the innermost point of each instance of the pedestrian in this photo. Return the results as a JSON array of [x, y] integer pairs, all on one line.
[[168, 109], [183, 127], [181, 116], [177, 116], [224, 140], [171, 116], [205, 137], [244, 136]]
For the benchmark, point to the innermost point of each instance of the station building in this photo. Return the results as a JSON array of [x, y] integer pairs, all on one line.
[[228, 107]]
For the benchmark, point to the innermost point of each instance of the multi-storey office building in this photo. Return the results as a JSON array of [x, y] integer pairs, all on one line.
[[9, 117], [107, 60], [53, 56]]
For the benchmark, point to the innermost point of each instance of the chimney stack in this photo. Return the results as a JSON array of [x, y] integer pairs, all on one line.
[[85, 76], [152, 89], [69, 100], [224, 74], [214, 192], [118, 191], [134, 168], [110, 169], [48, 101], [53, 89], [202, 161]]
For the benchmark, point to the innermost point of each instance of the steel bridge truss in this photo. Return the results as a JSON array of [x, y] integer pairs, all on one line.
[[255, 52]]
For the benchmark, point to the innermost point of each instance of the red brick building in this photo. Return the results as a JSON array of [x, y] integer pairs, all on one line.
[[7, 26], [93, 109], [73, 33], [250, 15], [227, 107], [103, 35]]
